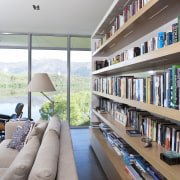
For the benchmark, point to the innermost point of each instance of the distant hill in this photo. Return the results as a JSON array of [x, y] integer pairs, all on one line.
[[48, 66]]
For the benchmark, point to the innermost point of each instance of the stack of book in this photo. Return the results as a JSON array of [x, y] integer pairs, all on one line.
[[137, 167], [95, 125]]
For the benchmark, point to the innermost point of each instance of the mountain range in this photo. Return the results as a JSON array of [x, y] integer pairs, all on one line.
[[53, 66]]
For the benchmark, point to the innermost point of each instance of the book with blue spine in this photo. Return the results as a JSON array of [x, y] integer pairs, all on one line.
[[169, 38], [161, 38]]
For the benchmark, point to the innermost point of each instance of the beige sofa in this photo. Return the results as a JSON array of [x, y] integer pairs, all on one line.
[[47, 153]]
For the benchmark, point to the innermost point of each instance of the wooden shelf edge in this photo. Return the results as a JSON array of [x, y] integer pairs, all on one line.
[[115, 2], [152, 155], [150, 57], [126, 25], [117, 161], [162, 111]]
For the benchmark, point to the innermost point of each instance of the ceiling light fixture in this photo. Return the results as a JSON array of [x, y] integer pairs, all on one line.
[[36, 7]]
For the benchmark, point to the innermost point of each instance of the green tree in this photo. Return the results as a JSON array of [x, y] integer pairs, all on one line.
[[79, 108]]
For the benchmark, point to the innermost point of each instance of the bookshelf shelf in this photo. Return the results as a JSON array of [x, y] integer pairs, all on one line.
[[112, 163], [162, 111], [151, 16], [150, 154], [167, 55]]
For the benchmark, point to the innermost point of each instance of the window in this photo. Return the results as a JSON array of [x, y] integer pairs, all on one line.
[[53, 62], [13, 80], [80, 88]]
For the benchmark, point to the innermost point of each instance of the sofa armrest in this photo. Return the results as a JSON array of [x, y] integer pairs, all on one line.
[[10, 128], [67, 165]]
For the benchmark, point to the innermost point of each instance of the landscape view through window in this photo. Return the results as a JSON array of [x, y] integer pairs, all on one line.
[[14, 79]]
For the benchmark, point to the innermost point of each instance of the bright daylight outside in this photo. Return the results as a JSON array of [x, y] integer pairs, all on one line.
[[14, 79]]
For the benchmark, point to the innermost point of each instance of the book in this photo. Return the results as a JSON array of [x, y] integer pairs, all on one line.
[[175, 32], [99, 64], [95, 124], [161, 39], [179, 28], [132, 172], [169, 39], [133, 132], [176, 86]]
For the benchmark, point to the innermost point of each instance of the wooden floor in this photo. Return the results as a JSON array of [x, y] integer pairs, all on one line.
[[88, 166]]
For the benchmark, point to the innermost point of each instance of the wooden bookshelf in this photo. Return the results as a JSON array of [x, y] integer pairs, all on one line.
[[153, 15], [113, 164], [152, 155], [167, 55], [162, 111]]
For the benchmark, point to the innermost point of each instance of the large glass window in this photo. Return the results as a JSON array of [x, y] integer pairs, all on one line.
[[13, 80], [80, 88], [53, 62], [48, 55]]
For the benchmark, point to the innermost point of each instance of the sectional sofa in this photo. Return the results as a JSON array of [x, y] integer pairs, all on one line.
[[47, 153]]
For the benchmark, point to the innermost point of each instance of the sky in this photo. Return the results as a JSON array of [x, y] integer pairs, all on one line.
[[19, 55]]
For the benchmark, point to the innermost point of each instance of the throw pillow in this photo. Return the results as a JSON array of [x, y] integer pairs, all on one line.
[[38, 130], [19, 136], [54, 124]]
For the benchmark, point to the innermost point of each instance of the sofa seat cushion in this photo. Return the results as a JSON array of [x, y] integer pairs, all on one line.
[[45, 165], [2, 171], [67, 166], [7, 155], [21, 166]]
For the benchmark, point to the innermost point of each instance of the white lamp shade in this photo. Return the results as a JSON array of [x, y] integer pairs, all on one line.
[[40, 83]]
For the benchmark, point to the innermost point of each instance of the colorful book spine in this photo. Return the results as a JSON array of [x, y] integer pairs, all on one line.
[[176, 85], [161, 38], [169, 39], [175, 32]]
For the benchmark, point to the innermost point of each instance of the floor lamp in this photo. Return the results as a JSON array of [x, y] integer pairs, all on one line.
[[41, 83]]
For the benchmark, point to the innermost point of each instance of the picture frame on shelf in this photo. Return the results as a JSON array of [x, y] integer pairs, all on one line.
[[121, 118]]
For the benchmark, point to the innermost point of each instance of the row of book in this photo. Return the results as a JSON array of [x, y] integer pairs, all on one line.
[[161, 40], [165, 133], [161, 89], [128, 12], [137, 167]]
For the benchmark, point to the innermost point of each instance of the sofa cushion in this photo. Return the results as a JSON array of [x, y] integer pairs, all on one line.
[[54, 124], [38, 130], [21, 166], [2, 171], [7, 155], [19, 136], [45, 165], [10, 128]]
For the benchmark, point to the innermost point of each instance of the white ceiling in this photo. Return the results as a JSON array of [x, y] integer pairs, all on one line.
[[54, 16]]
